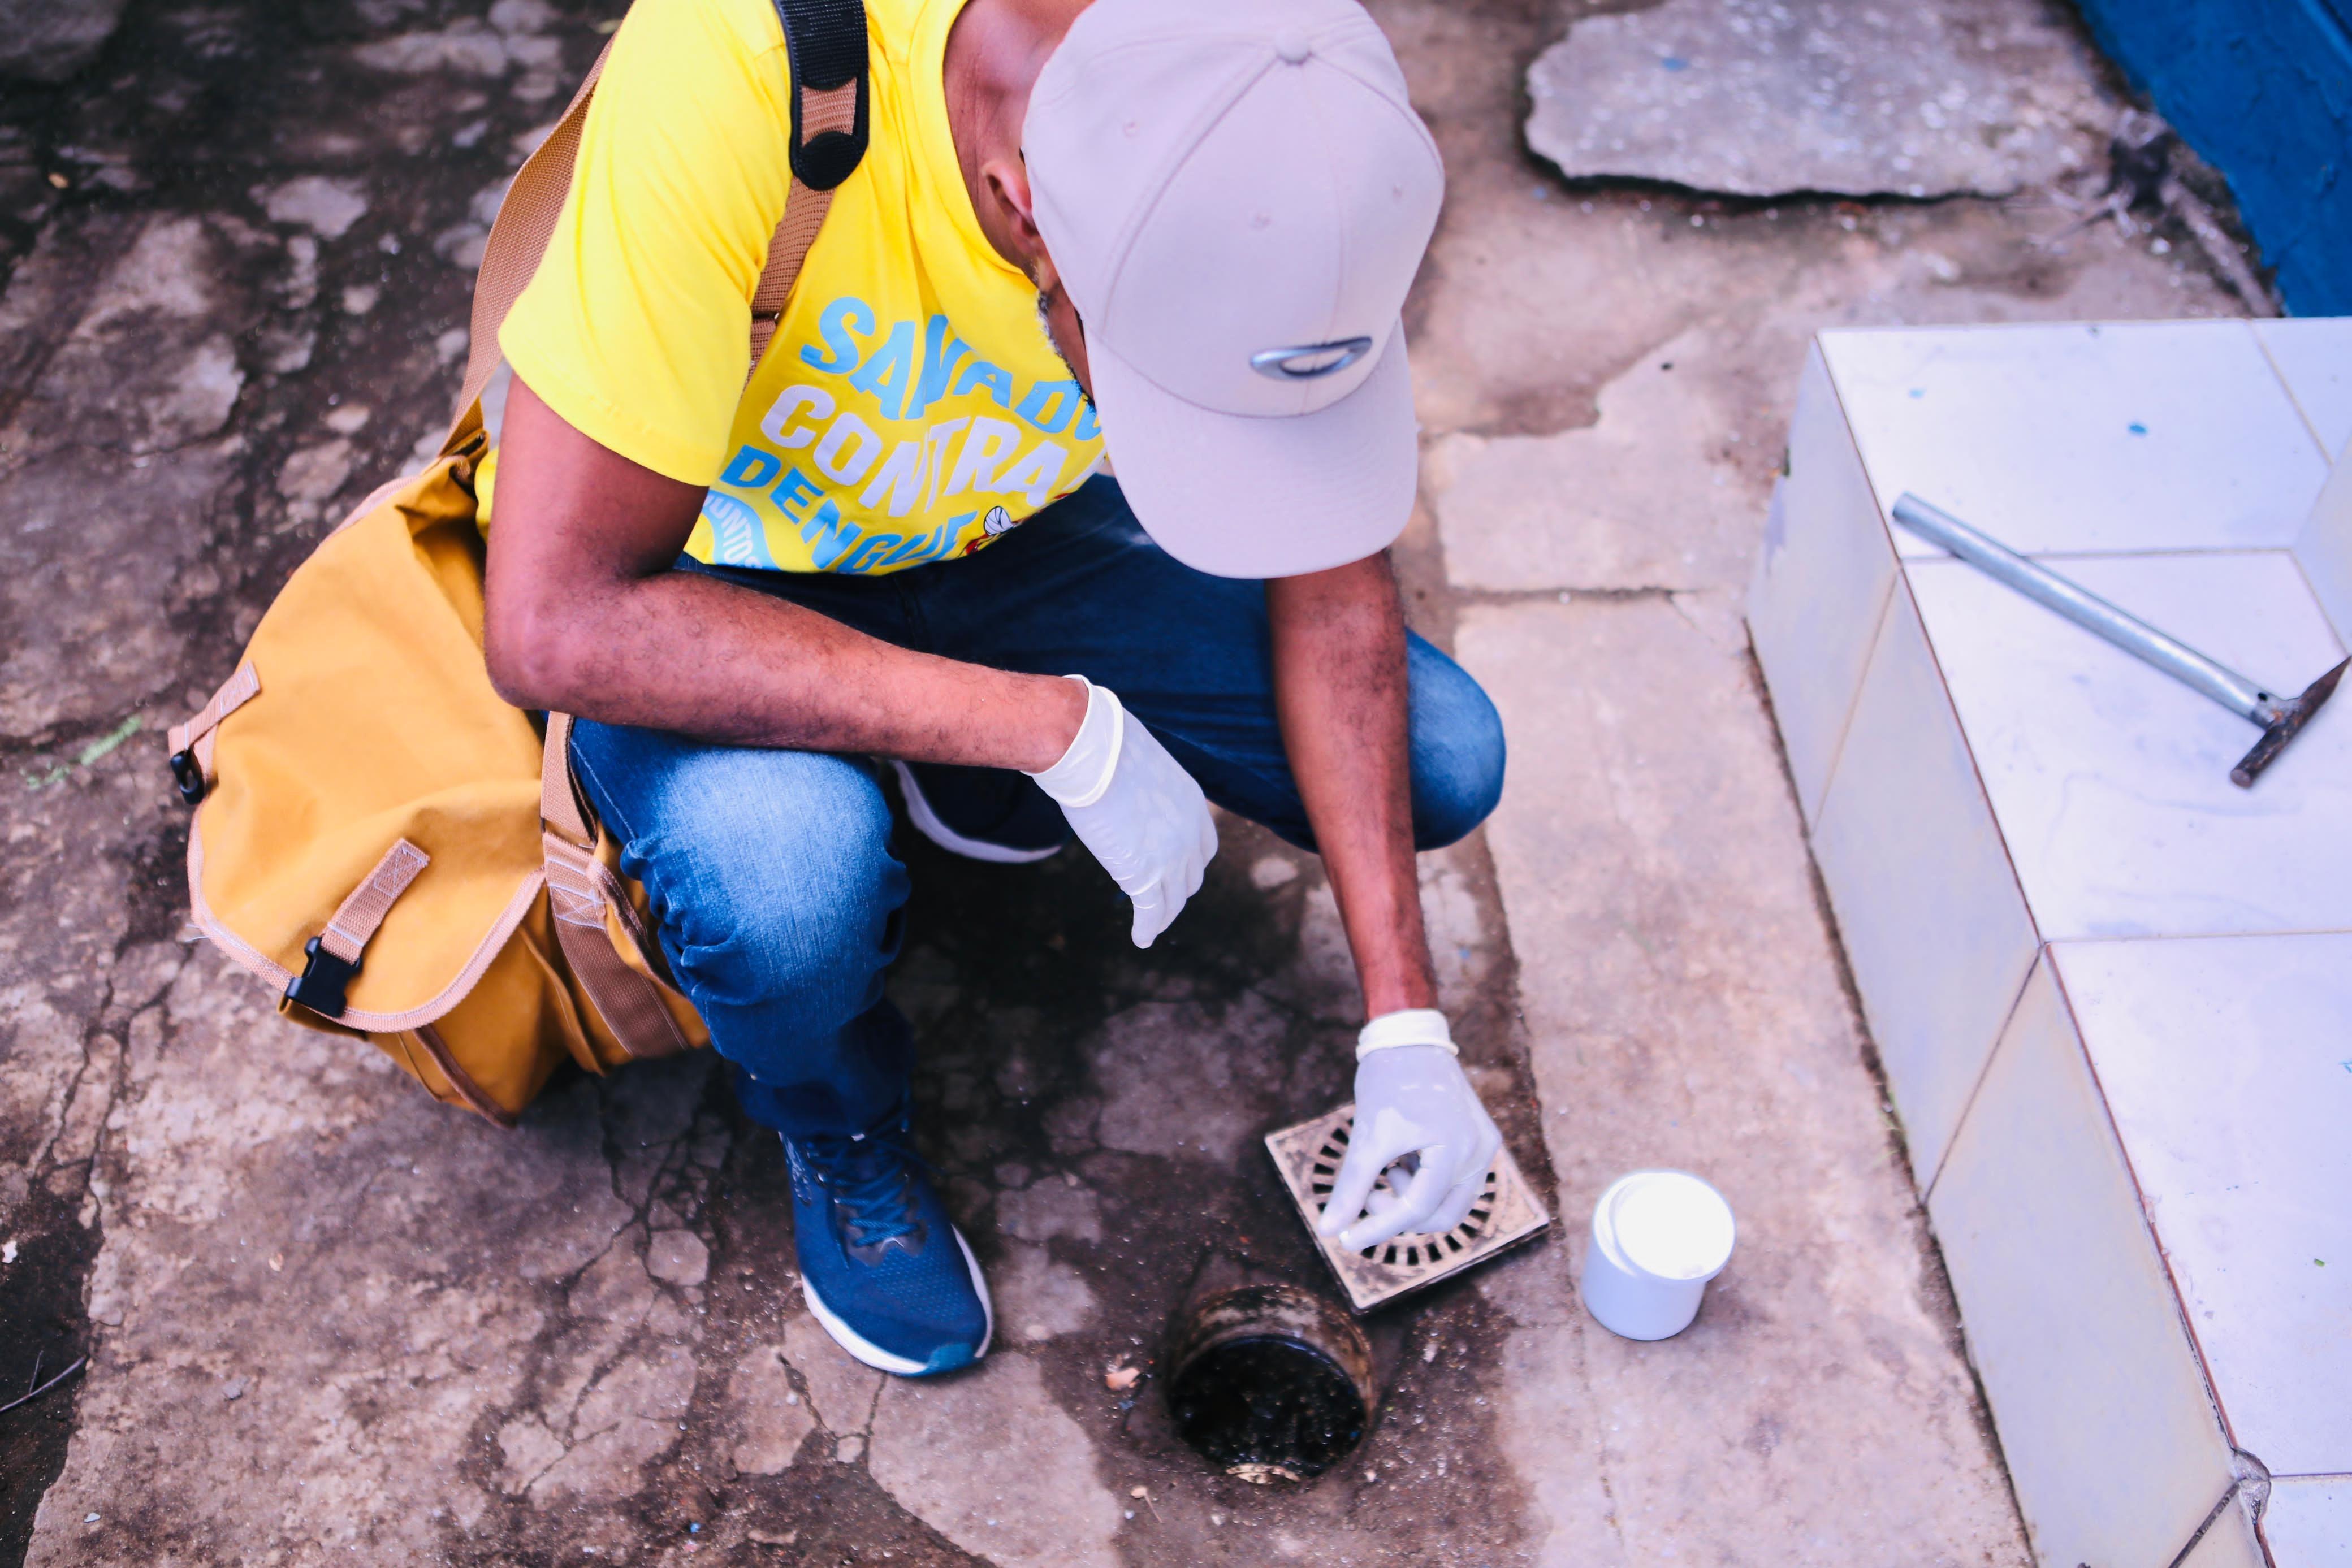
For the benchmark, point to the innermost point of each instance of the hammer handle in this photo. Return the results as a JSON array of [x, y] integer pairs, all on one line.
[[2093, 613]]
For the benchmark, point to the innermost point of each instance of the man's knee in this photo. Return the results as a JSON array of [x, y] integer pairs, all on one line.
[[772, 874], [1457, 749]]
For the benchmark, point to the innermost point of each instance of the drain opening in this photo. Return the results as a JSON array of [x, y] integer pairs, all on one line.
[[1271, 1382]]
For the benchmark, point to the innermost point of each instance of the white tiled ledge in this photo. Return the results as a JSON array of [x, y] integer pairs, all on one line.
[[2112, 992]]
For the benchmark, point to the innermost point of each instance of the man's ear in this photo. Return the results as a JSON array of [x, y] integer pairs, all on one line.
[[1008, 187]]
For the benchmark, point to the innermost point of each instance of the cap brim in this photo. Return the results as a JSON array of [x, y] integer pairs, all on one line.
[[1251, 496]]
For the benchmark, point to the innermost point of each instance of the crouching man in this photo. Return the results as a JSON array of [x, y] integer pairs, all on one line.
[[1181, 230]]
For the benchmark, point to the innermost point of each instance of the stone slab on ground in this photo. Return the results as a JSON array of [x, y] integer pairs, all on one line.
[[1033, 1500], [1683, 1010], [1650, 496], [1763, 98], [49, 40], [1665, 484]]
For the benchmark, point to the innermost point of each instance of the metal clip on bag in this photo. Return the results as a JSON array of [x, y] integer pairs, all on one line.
[[395, 852]]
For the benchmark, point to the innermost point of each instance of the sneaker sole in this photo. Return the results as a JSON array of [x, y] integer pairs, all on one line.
[[874, 1356], [927, 823]]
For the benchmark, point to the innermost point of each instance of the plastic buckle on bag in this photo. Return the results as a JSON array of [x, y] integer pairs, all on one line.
[[320, 986], [189, 775]]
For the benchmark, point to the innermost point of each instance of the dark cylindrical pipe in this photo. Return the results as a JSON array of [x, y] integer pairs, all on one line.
[[1271, 1382]]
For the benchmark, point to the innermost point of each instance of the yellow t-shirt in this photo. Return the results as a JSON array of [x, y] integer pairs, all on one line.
[[910, 407]]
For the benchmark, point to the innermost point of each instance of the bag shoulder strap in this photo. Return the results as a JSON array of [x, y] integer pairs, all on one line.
[[519, 238], [824, 41]]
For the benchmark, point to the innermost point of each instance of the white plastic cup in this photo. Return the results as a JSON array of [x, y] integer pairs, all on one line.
[[1658, 1236]]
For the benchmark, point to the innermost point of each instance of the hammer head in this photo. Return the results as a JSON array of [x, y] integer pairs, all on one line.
[[2288, 724]]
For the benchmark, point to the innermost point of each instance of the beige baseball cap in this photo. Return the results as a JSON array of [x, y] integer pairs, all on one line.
[[1237, 194]]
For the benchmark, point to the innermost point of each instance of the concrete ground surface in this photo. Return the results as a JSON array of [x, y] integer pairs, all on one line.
[[328, 1321]]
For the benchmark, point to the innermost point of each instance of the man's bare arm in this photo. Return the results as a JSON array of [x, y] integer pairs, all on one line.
[[586, 616], [1340, 689]]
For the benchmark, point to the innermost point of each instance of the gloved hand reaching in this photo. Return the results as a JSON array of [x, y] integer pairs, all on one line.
[[1132, 805], [1412, 1100]]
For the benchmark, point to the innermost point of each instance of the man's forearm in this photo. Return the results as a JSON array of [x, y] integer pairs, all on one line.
[[1340, 689], [585, 615], [706, 658]]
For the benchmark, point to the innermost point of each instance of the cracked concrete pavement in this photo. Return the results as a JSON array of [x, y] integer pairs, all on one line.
[[330, 1320]]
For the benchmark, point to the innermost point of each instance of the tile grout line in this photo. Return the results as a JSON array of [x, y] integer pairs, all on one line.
[[1902, 584], [2182, 552], [1878, 622], [2212, 1516], [2147, 1223], [2311, 428], [2088, 939], [2342, 634], [2000, 1037], [1845, 720], [1975, 768]]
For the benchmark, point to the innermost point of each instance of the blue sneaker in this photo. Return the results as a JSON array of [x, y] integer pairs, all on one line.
[[884, 1269]]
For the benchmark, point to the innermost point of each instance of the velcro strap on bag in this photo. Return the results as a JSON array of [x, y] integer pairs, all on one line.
[[192, 743], [332, 957]]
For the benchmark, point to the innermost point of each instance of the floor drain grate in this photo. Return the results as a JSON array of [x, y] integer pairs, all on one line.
[[1506, 1214]]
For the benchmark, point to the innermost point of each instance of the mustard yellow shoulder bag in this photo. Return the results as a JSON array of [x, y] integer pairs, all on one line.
[[390, 847]]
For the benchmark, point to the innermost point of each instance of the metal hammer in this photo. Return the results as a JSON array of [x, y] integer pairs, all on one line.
[[2281, 719]]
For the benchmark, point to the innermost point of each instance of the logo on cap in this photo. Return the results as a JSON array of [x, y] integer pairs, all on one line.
[[1309, 361]]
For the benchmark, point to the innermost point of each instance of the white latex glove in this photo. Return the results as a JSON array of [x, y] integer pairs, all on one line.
[[1412, 1100], [1135, 809]]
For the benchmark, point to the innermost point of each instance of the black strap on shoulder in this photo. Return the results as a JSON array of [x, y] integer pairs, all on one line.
[[825, 40]]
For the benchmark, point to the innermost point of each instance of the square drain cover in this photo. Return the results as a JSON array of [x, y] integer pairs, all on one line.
[[1506, 1214]]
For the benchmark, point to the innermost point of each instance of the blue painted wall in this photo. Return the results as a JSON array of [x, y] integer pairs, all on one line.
[[2262, 90]]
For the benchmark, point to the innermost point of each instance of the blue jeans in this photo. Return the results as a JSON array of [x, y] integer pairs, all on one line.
[[771, 871]]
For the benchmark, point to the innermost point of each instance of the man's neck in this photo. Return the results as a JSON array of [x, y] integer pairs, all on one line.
[[996, 50]]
